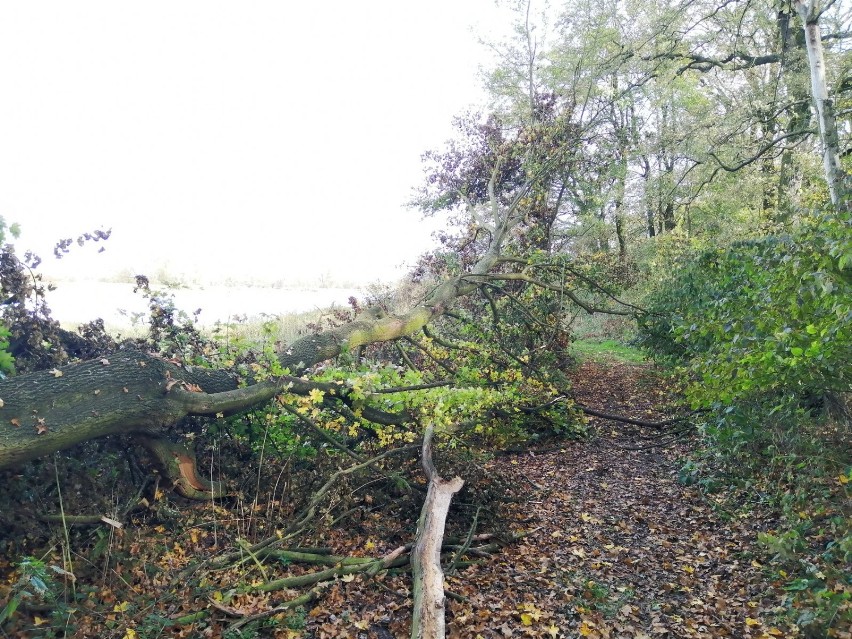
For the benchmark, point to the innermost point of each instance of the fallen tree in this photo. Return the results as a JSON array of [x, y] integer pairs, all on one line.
[[494, 329], [141, 393]]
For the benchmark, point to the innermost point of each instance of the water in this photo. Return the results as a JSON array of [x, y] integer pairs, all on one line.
[[74, 303]]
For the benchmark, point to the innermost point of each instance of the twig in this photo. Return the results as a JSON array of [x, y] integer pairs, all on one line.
[[464, 547], [242, 543], [309, 596], [319, 431], [630, 420]]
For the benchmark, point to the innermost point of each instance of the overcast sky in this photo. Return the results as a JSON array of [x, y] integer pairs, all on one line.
[[265, 138]]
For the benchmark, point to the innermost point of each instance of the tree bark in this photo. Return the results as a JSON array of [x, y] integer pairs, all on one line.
[[47, 411], [837, 186], [428, 615]]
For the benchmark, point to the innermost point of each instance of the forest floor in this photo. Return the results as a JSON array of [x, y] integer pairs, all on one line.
[[613, 546]]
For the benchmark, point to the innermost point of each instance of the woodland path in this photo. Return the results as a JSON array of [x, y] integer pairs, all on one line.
[[615, 547], [619, 548]]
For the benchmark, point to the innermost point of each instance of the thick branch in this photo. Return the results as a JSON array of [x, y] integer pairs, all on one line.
[[428, 615]]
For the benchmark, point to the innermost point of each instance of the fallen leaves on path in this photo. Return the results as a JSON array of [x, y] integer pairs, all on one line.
[[615, 548], [618, 548]]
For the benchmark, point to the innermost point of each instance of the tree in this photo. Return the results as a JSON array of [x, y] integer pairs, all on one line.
[[838, 187]]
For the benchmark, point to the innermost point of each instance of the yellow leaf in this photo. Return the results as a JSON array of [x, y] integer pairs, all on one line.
[[752, 622], [130, 633], [370, 545], [526, 619], [362, 625], [843, 479], [39, 621], [556, 533], [585, 630], [348, 578], [689, 569], [553, 631], [315, 396], [775, 632], [121, 607], [217, 596], [533, 612]]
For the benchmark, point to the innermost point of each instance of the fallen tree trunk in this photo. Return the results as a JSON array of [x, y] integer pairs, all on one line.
[[47, 411], [428, 615]]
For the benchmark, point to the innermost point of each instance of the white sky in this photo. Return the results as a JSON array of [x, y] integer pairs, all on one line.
[[274, 139]]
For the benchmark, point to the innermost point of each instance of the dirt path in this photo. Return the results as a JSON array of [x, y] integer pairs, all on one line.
[[616, 547], [620, 548]]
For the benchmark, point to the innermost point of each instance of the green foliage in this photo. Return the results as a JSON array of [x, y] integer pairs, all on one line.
[[761, 332], [769, 318], [7, 360], [608, 350], [35, 582]]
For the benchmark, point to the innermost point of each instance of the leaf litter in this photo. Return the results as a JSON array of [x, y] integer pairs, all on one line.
[[611, 546]]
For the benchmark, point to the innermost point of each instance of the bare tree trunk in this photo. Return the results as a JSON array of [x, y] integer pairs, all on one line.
[[824, 105], [428, 616]]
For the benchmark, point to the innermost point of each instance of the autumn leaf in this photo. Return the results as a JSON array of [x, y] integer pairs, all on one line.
[[15, 422], [752, 622], [56, 372], [315, 396], [122, 607], [553, 630]]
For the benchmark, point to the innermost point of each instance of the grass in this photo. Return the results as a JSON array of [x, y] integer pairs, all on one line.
[[607, 350]]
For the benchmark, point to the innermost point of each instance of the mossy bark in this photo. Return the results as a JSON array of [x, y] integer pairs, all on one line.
[[128, 392]]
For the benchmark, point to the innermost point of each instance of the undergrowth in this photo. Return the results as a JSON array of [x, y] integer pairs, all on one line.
[[759, 333]]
